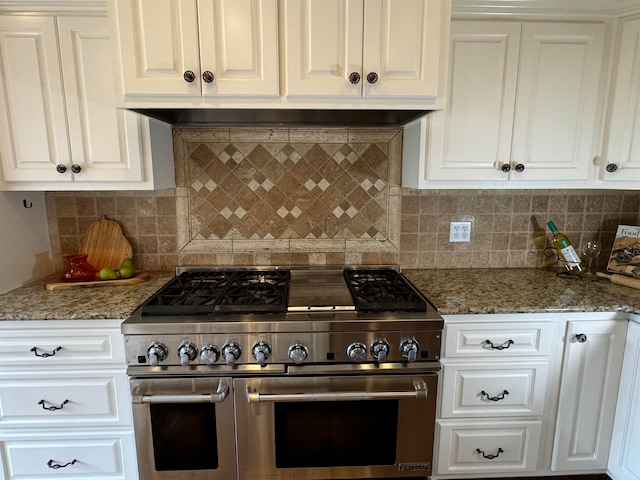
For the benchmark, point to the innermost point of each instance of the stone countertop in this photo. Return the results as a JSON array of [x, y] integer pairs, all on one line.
[[461, 291], [34, 302], [454, 291]]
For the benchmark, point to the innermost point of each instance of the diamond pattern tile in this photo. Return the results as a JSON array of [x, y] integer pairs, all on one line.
[[278, 191]]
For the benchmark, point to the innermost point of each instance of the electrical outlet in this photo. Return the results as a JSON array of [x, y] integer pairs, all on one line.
[[460, 232]]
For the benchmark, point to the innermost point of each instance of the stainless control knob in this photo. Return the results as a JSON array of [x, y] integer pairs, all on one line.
[[231, 352], [209, 354], [261, 351], [298, 353], [156, 352], [380, 350], [409, 350], [187, 352], [357, 352]]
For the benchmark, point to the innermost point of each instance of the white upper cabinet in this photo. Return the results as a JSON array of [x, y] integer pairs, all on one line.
[[184, 48], [521, 108], [63, 130], [373, 49], [621, 161]]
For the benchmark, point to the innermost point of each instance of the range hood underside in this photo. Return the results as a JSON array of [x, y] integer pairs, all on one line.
[[281, 117]]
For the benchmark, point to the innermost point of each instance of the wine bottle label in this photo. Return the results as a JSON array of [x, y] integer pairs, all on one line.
[[571, 256]]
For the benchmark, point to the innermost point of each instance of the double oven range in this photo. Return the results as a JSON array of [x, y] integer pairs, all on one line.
[[284, 373]]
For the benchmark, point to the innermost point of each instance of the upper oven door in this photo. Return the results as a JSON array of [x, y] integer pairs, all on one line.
[[303, 428], [184, 428]]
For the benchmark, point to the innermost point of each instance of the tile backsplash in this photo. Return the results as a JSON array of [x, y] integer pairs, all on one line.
[[247, 196]]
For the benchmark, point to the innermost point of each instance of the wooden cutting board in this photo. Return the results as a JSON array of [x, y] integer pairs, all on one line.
[[139, 277], [105, 244]]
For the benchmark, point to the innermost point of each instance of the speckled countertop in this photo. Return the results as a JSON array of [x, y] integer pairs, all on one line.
[[455, 291], [459, 291], [35, 302]]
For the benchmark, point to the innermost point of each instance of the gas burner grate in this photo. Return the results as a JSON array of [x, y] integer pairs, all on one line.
[[383, 290], [219, 292]]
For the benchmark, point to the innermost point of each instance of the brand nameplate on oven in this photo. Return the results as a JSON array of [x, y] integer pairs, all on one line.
[[414, 467]]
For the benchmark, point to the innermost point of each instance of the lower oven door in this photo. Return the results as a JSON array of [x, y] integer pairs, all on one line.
[[184, 428], [342, 427]]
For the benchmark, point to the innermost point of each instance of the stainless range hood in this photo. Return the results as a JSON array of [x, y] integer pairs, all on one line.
[[281, 117]]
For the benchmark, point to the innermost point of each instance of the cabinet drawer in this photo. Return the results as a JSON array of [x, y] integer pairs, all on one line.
[[513, 445], [488, 339], [97, 456], [51, 347], [65, 400], [485, 389]]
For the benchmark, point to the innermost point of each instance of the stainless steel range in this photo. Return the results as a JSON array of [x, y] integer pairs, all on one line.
[[284, 373]]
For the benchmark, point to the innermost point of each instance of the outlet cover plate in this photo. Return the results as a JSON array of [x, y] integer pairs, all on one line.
[[460, 232]]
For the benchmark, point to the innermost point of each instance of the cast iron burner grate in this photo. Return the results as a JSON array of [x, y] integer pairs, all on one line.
[[383, 290], [219, 292]]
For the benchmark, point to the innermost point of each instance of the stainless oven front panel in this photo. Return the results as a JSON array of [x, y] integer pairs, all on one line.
[[184, 428], [350, 426]]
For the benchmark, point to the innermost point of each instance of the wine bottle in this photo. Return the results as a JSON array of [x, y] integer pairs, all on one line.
[[570, 258]]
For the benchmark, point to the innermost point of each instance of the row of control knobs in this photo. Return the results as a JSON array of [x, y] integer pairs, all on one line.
[[261, 351]]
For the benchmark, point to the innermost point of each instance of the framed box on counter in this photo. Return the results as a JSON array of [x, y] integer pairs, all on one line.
[[625, 254]]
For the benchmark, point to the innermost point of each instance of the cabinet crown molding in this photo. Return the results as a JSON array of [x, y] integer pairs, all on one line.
[[52, 6]]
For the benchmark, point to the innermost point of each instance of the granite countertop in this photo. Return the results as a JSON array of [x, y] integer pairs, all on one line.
[[455, 291], [514, 290], [35, 302]]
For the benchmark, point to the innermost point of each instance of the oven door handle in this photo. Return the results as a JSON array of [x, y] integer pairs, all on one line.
[[221, 393], [420, 392]]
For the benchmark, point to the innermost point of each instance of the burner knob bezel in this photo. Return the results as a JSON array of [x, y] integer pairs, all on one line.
[[156, 353], [298, 353], [409, 349], [231, 352], [209, 354], [261, 351], [380, 350], [187, 352], [357, 352]]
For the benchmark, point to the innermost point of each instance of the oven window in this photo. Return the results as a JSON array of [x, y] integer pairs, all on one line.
[[336, 434], [184, 436]]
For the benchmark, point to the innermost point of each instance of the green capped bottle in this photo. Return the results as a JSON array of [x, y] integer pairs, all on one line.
[[570, 258]]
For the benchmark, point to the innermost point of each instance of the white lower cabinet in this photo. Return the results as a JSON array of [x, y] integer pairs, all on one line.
[[624, 461], [591, 367], [65, 409], [531, 394]]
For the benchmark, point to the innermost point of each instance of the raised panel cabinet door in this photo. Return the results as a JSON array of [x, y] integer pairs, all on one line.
[[239, 47], [403, 54], [471, 138], [556, 103], [624, 461], [622, 157], [33, 136], [104, 140], [323, 45], [158, 45], [588, 391]]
